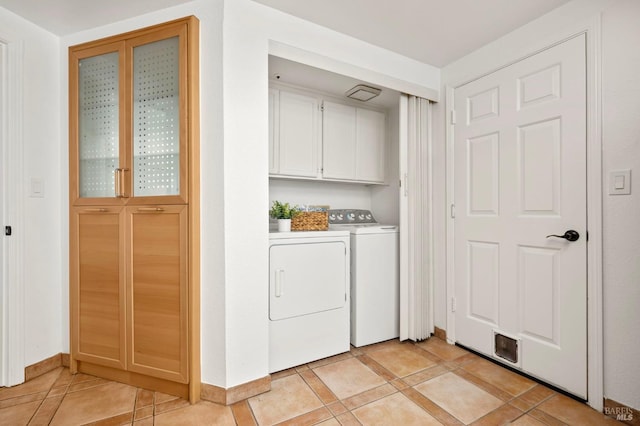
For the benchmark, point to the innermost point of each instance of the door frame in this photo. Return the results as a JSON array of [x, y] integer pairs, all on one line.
[[12, 356], [594, 182]]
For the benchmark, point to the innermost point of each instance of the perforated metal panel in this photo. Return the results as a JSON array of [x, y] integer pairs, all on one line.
[[156, 120], [98, 124]]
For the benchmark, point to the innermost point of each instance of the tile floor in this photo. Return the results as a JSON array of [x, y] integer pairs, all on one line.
[[391, 383]]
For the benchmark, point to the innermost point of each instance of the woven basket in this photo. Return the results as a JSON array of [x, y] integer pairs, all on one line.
[[310, 221]]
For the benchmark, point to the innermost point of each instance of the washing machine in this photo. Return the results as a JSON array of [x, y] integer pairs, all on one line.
[[375, 276]]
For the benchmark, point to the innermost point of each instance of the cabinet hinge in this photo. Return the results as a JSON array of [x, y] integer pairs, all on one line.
[[321, 106], [7, 230], [453, 304], [453, 211], [453, 116]]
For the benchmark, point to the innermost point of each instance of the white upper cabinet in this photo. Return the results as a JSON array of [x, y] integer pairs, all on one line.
[[343, 142], [294, 134], [353, 141], [339, 156], [370, 145], [274, 127]]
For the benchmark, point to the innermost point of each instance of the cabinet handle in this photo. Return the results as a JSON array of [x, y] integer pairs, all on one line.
[[279, 282], [117, 182], [95, 210], [150, 209]]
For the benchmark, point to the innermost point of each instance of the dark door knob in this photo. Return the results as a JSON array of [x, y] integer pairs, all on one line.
[[570, 235]]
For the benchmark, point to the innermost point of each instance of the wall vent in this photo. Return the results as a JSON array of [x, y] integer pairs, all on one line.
[[363, 93]]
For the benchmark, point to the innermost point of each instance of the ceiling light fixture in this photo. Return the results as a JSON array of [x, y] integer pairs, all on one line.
[[363, 93]]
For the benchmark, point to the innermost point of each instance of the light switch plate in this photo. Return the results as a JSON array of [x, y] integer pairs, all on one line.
[[620, 182], [36, 189]]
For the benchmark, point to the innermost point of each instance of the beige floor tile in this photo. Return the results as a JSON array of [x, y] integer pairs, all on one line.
[[526, 420], [46, 411], [330, 422], [425, 375], [369, 396], [311, 418], [289, 397], [203, 413], [510, 382], [502, 416], [395, 409], [463, 400], [533, 397], [163, 397], [349, 377], [18, 400], [242, 413], [96, 403], [401, 360], [442, 349], [144, 398], [572, 412], [318, 386], [18, 414], [39, 384]]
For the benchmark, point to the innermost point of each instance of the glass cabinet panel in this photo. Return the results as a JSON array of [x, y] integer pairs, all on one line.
[[156, 118], [98, 125]]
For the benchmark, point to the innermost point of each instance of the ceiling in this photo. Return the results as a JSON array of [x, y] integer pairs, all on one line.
[[304, 76], [435, 32], [64, 17]]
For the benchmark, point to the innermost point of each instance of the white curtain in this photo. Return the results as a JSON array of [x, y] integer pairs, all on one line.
[[416, 295]]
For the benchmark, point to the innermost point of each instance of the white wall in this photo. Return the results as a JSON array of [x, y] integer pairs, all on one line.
[[41, 235], [250, 31], [621, 230], [337, 195], [621, 150]]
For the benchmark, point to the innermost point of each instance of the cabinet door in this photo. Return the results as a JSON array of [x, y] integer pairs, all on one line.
[[97, 149], [274, 131], [157, 291], [306, 278], [338, 141], [97, 286], [158, 128], [370, 143], [298, 135]]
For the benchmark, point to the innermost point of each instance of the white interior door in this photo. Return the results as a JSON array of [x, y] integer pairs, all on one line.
[[520, 175]]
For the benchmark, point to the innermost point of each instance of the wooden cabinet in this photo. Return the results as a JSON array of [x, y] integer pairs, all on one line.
[[294, 134], [353, 143], [134, 205], [336, 142]]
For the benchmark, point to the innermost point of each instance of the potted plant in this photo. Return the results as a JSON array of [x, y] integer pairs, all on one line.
[[283, 212]]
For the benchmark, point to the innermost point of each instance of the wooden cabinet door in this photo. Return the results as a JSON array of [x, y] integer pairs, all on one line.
[[97, 286], [299, 135], [97, 150], [338, 141], [370, 145], [157, 320]]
